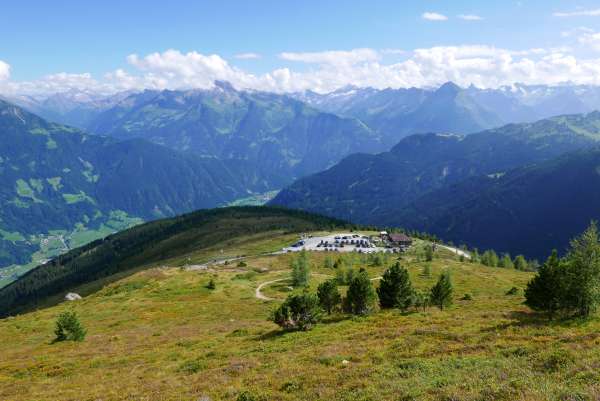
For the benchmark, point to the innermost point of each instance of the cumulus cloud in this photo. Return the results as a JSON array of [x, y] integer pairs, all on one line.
[[579, 13], [431, 16], [4, 70], [470, 17], [247, 56], [481, 65]]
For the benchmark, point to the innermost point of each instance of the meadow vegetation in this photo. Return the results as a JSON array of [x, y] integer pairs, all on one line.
[[163, 333]]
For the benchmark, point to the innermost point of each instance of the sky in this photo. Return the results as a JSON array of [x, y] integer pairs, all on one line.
[[283, 46]]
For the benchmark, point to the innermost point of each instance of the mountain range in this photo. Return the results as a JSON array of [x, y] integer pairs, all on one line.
[[393, 188], [137, 156], [396, 113]]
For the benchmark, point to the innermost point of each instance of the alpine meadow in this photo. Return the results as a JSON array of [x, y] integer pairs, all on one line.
[[273, 200]]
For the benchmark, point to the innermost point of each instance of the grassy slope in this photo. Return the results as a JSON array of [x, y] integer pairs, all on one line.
[[178, 240], [160, 335]]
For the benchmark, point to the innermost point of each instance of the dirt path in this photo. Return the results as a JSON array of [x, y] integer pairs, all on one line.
[[259, 295], [457, 251]]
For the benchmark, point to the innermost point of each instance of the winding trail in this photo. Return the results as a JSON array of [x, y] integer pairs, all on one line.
[[258, 294], [258, 291]]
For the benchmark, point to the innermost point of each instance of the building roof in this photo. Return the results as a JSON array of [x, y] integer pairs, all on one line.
[[399, 238]]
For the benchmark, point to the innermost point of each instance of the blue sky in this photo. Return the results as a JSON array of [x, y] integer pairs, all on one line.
[[97, 37]]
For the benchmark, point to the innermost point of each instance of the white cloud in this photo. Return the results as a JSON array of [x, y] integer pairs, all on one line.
[[483, 66], [247, 56], [431, 16], [4, 70], [579, 13], [591, 40], [470, 17], [333, 57]]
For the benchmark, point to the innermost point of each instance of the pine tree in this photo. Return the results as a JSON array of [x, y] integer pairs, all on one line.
[[545, 291], [68, 327], [583, 265], [441, 292], [475, 258], [361, 297], [395, 289], [489, 258], [329, 296], [300, 270], [505, 261], [520, 263]]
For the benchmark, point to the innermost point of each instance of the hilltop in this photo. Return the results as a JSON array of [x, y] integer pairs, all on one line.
[[161, 332]]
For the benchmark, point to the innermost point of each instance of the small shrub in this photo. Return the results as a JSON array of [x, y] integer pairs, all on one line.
[[467, 297], [557, 360], [298, 312], [290, 387], [190, 367], [242, 264], [248, 396], [512, 291], [211, 284], [69, 328]]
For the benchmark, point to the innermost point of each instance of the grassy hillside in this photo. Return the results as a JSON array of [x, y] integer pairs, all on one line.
[[162, 335], [178, 240]]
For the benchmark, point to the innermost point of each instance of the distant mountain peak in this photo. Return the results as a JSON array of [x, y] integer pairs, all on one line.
[[449, 87], [224, 85]]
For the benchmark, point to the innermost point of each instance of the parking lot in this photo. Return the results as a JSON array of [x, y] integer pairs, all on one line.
[[342, 242]]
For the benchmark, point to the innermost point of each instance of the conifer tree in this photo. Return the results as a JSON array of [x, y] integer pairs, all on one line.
[[505, 261], [544, 291], [361, 297], [583, 265], [441, 292], [329, 296], [68, 327], [395, 289], [520, 263], [301, 270]]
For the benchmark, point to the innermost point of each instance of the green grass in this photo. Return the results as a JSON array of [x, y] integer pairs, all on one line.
[[254, 200], [76, 198], [57, 242], [160, 334]]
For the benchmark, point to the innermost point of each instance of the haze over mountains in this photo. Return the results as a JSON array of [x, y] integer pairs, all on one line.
[[137, 156], [449, 108]]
